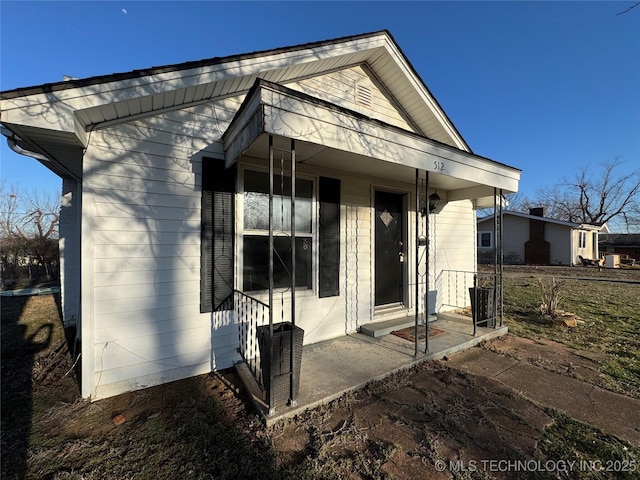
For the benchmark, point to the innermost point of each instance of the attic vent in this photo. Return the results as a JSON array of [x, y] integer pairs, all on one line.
[[363, 95]]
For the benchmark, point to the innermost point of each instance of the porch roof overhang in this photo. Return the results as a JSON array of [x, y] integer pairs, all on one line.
[[366, 146]]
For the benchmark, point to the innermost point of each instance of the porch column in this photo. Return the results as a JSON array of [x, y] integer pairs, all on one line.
[[494, 309], [417, 264], [501, 257], [272, 408], [427, 263], [293, 401]]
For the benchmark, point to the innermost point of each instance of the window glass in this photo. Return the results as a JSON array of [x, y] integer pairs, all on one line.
[[255, 249], [256, 262], [485, 239], [582, 239], [256, 203]]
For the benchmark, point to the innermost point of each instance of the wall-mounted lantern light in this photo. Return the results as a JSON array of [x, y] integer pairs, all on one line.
[[434, 198]]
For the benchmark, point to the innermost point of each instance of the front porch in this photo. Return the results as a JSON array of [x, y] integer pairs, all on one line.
[[334, 367], [334, 222]]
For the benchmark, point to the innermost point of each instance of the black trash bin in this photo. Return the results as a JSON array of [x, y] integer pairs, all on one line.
[[279, 363], [482, 312]]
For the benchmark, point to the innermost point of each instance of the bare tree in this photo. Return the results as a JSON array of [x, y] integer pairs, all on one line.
[[28, 230], [518, 202], [41, 224], [607, 194], [42, 215], [514, 202], [10, 215], [12, 245]]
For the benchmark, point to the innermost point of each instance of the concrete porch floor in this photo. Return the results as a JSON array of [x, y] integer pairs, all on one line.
[[334, 367]]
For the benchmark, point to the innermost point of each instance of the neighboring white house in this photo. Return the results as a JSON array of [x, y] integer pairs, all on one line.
[[535, 239], [165, 199]]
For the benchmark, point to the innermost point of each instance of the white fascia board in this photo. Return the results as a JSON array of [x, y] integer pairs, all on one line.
[[588, 226], [37, 113], [301, 120], [480, 201], [424, 94], [241, 121], [484, 195], [62, 102], [242, 140]]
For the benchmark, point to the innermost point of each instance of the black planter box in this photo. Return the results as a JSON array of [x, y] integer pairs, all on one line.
[[482, 312], [279, 363]]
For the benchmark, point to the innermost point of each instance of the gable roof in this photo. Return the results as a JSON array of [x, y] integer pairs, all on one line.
[[54, 122], [578, 226], [95, 101], [382, 63]]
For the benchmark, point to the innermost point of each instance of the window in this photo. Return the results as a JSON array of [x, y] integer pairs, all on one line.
[[582, 239], [255, 248], [484, 239], [218, 258]]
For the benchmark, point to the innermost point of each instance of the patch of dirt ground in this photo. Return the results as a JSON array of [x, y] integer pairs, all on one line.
[[431, 422], [404, 426], [554, 356]]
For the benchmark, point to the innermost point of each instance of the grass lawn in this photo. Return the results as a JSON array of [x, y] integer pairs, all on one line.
[[610, 311]]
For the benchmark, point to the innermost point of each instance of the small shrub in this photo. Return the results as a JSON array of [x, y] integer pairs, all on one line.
[[550, 293]]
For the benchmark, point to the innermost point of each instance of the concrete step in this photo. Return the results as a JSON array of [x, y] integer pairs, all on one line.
[[379, 329], [455, 317]]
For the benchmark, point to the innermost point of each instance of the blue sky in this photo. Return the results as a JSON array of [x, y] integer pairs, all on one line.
[[547, 87]]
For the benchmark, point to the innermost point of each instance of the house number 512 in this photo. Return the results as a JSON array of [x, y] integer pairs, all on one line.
[[438, 166]]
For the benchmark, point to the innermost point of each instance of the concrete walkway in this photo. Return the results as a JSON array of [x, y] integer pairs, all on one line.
[[614, 414]]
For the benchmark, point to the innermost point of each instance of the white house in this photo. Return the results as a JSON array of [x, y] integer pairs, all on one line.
[[535, 239], [167, 186]]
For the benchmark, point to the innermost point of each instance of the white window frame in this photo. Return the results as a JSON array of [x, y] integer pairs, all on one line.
[[582, 240], [242, 232], [480, 234]]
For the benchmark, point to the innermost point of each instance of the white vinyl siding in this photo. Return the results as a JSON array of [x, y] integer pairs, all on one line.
[[562, 238], [146, 264], [341, 88], [144, 178], [559, 238], [356, 249], [452, 243]]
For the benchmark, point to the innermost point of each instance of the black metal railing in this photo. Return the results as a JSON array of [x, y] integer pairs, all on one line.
[[250, 313], [478, 294]]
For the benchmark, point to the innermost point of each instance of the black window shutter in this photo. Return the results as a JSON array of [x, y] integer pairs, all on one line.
[[329, 237], [217, 251]]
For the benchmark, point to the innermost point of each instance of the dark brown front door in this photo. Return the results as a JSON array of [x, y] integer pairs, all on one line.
[[389, 248]]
